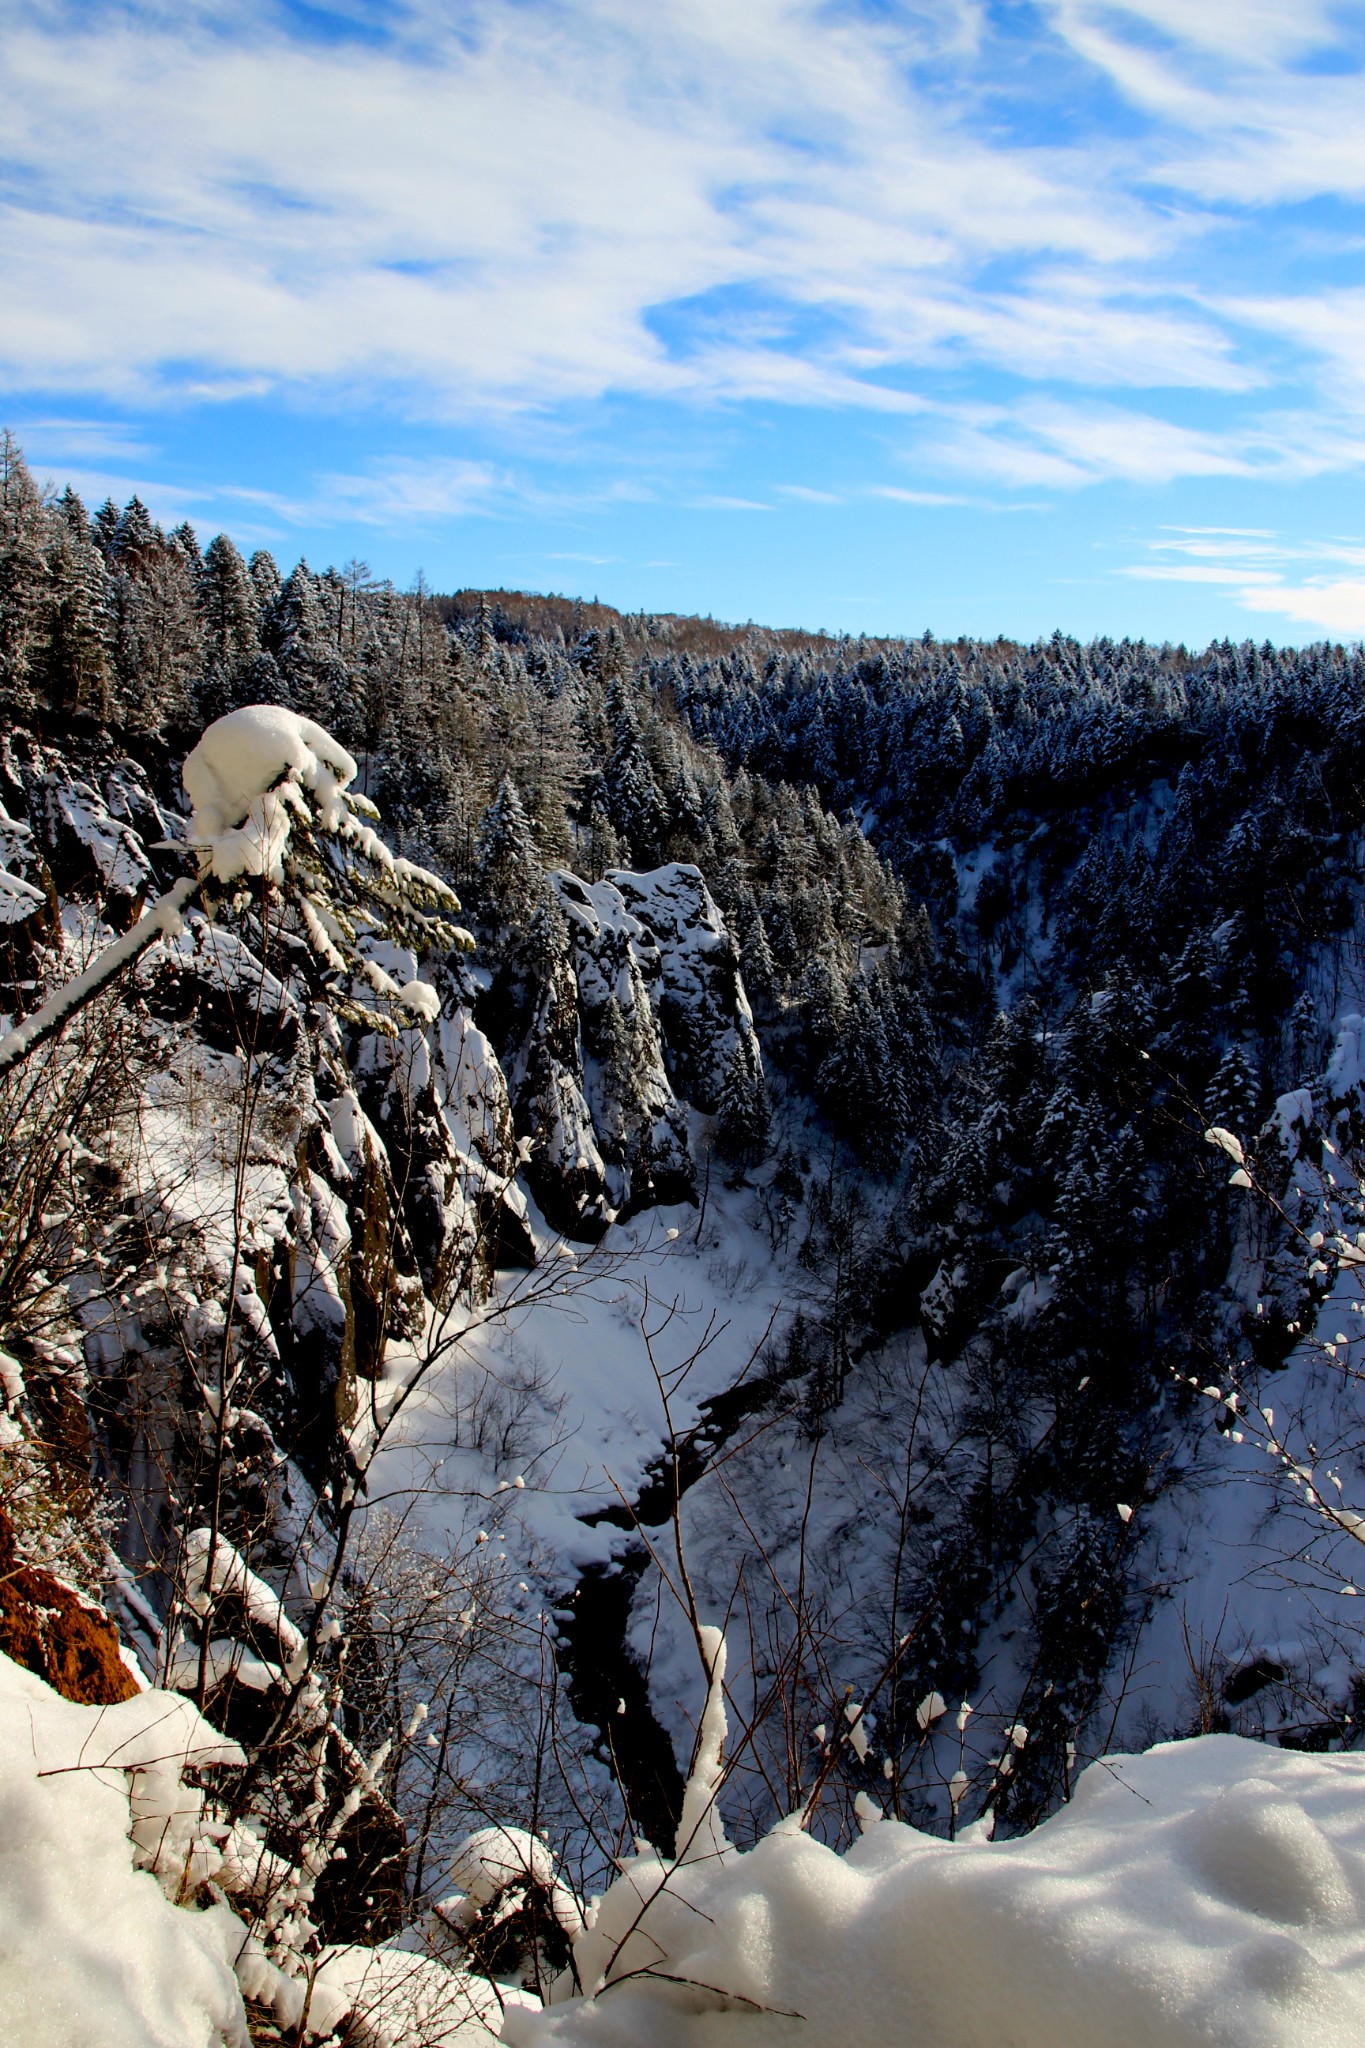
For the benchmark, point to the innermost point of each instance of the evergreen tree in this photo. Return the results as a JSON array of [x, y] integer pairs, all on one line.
[[508, 877], [265, 582], [22, 574], [743, 1126], [156, 635], [228, 607], [76, 656], [630, 794]]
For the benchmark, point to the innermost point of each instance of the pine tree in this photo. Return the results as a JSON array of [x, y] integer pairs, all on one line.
[[22, 574], [743, 1125], [630, 794], [265, 581], [508, 877], [228, 607], [621, 1093], [104, 528], [76, 656], [156, 635]]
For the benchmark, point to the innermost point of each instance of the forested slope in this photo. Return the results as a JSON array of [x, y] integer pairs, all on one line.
[[859, 1009]]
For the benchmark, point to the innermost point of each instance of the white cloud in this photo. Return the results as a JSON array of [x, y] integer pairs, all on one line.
[[898, 496], [719, 503], [805, 494], [1338, 608], [498, 212], [1250, 116], [1153, 572], [493, 214]]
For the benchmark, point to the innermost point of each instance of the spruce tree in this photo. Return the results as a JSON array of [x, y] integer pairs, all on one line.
[[743, 1126], [508, 877], [228, 607], [22, 574]]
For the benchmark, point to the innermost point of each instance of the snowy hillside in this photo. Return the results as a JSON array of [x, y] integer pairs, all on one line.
[[874, 1167]]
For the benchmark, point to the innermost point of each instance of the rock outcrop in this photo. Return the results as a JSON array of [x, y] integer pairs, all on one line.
[[634, 1009]]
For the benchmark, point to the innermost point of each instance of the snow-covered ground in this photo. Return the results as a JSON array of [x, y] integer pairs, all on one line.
[[1209, 1892], [570, 1346]]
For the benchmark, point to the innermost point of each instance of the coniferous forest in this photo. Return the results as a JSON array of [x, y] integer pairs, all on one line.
[[874, 1166]]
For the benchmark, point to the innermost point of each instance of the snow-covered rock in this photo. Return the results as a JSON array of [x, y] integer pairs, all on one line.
[[639, 1123], [697, 990]]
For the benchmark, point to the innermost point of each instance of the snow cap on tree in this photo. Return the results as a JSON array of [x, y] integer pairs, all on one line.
[[267, 786]]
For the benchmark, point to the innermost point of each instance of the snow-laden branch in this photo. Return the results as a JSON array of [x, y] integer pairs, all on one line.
[[261, 779], [163, 920]]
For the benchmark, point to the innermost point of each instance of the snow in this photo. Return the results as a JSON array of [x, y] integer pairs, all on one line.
[[231, 1575], [114, 847], [577, 1331], [93, 1950], [1226, 1141], [245, 780], [19, 897], [421, 1001], [400, 1999], [234, 770], [494, 1857], [700, 1833], [1209, 1892]]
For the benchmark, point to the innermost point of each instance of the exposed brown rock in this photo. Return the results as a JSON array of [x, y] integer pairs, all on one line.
[[51, 1630]]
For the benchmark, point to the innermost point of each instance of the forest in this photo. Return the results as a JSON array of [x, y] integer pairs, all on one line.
[[669, 1172]]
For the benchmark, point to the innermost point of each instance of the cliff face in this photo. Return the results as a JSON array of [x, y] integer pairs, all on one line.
[[638, 1008]]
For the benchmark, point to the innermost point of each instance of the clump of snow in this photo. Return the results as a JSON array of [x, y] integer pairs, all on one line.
[[494, 1860], [231, 1575], [700, 1834], [1209, 1892], [1226, 1141], [235, 778], [396, 1998], [421, 1001], [490, 1859]]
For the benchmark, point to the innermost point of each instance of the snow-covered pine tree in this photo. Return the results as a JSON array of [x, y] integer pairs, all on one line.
[[76, 653], [228, 606], [508, 877], [22, 573], [274, 803], [743, 1114]]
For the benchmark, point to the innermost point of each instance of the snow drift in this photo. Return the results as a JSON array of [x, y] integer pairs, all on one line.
[[1209, 1892], [93, 1951]]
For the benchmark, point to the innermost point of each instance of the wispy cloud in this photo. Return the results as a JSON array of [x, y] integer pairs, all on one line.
[[718, 502], [1300, 581]]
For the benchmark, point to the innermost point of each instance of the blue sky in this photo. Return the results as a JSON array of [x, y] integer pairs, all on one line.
[[875, 316]]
